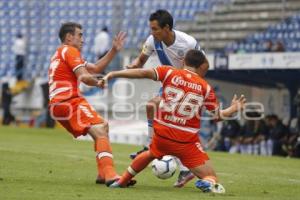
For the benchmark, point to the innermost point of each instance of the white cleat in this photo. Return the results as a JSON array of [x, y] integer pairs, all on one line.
[[218, 189]]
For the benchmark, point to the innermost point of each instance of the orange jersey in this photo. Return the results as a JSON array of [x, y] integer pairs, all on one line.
[[63, 83], [184, 95]]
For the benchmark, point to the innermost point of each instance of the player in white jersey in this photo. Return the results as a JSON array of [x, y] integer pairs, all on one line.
[[170, 46], [174, 52]]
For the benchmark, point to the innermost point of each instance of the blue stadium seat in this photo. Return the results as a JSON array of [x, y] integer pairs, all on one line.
[[286, 31], [42, 19]]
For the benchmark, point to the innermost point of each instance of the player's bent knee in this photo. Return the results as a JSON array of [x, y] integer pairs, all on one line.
[[99, 130]]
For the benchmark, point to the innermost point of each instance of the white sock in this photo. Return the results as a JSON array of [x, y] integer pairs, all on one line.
[[150, 133]]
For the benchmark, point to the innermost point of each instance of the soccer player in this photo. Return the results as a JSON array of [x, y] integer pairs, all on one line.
[[68, 107], [170, 46], [176, 124]]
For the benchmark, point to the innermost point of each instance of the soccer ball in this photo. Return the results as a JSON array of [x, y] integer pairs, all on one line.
[[164, 168]]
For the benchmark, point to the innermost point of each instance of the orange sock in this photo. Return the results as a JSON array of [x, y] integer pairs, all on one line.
[[104, 159], [100, 170], [137, 165]]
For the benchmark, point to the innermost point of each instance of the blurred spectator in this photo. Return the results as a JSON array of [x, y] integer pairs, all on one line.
[[260, 139], [208, 133], [101, 43], [45, 118], [50, 123], [241, 47], [247, 137], [267, 46], [229, 136], [277, 134], [6, 102], [278, 47], [19, 49], [291, 144], [254, 134]]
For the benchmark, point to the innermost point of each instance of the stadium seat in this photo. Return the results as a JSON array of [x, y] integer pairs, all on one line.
[[286, 31], [42, 19]]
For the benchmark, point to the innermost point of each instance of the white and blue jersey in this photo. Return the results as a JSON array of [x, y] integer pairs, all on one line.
[[172, 55]]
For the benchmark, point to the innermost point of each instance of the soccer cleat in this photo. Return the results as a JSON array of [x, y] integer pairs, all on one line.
[[218, 188], [100, 180], [112, 183], [203, 185], [133, 155], [183, 178], [206, 186], [115, 184]]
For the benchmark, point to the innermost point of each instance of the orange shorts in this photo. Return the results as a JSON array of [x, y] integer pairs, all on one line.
[[76, 115], [190, 154]]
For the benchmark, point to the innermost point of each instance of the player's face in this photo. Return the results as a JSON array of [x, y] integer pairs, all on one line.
[[157, 32], [77, 39]]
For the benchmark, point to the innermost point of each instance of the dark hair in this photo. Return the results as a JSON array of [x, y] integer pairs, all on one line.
[[104, 28], [68, 27], [19, 35], [194, 58], [163, 18]]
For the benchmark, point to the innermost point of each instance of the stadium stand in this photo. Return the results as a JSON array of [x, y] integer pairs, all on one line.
[[40, 20], [241, 18], [286, 31], [215, 23]]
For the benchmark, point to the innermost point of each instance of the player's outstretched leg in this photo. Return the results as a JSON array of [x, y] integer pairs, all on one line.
[[150, 109], [208, 179], [137, 165], [104, 157]]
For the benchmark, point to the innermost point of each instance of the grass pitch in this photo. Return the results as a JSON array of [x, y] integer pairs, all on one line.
[[40, 164]]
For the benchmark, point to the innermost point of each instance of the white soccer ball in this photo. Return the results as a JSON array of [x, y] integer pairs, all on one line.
[[164, 168]]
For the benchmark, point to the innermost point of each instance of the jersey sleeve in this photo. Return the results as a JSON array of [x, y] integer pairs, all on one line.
[[148, 47], [73, 58], [162, 72], [211, 102]]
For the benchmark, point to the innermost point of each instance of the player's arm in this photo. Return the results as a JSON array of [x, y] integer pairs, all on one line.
[[212, 105], [138, 62], [147, 50], [131, 74], [84, 76], [101, 64]]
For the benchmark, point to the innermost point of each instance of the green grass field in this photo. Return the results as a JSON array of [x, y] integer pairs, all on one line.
[[48, 164]]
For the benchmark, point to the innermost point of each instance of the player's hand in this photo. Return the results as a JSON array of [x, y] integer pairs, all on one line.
[[238, 103], [102, 83], [119, 41]]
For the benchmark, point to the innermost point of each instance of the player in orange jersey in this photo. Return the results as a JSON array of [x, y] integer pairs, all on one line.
[[68, 107], [170, 46], [176, 124]]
